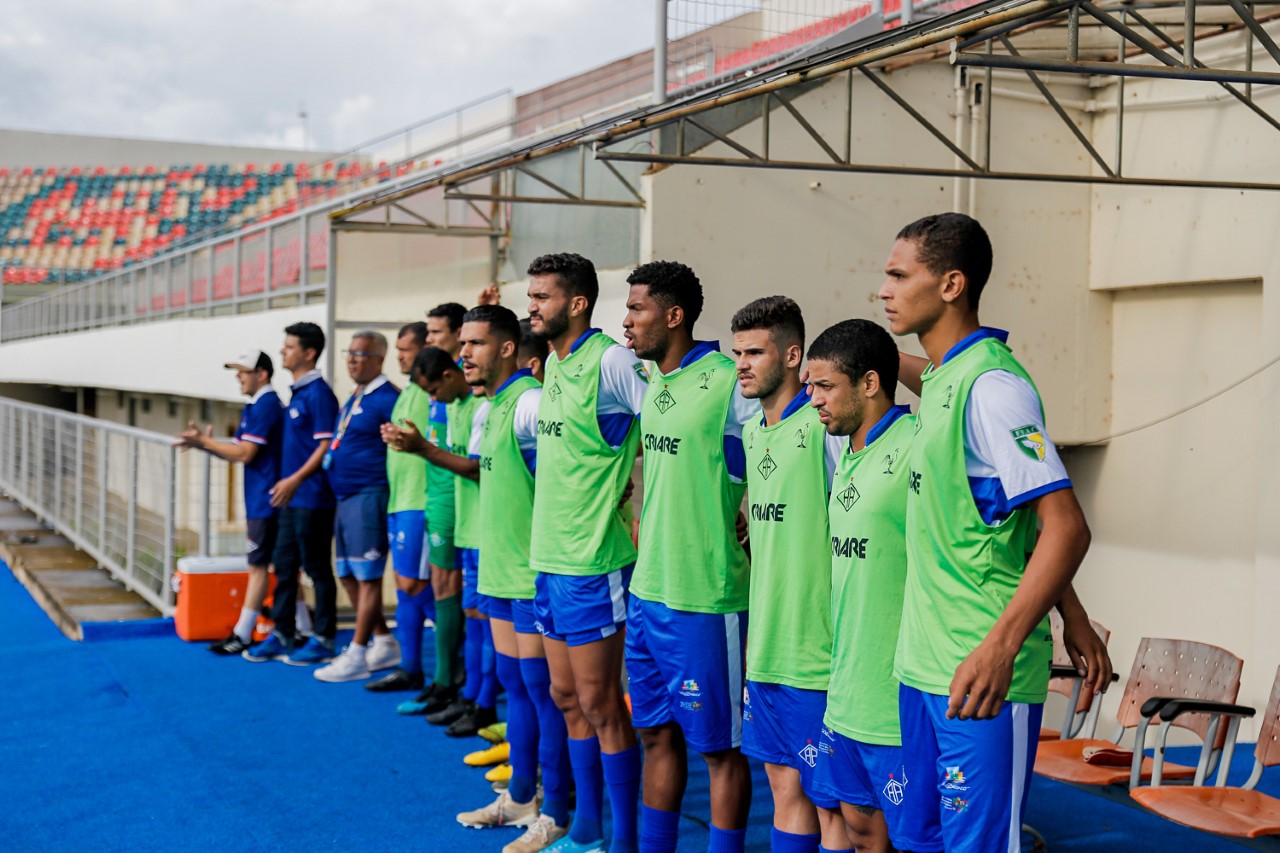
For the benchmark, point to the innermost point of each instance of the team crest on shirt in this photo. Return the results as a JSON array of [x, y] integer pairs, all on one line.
[[895, 791], [638, 367], [767, 466], [664, 401], [554, 391], [808, 753], [1030, 441], [578, 373], [848, 497]]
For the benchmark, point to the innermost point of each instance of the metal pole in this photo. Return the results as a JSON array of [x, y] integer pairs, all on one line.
[[331, 302], [79, 475], [57, 467], [166, 571], [103, 443], [131, 517], [659, 51], [1189, 33], [206, 520]]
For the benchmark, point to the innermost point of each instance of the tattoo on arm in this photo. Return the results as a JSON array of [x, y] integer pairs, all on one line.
[[866, 810]]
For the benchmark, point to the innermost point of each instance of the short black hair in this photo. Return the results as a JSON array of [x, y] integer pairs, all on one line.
[[309, 335], [576, 274], [431, 364], [264, 363], [501, 319], [953, 241], [856, 347], [451, 311], [780, 315], [417, 328], [532, 344], [671, 283]]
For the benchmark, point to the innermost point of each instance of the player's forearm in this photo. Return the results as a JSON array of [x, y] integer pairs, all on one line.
[[230, 451], [463, 466], [1070, 606], [314, 462]]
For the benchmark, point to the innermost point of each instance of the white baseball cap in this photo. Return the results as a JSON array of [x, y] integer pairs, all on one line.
[[254, 359]]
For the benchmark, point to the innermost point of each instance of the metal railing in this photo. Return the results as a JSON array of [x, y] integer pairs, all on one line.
[[124, 496]]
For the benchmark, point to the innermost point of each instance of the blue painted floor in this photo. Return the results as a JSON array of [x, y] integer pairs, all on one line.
[[151, 743]]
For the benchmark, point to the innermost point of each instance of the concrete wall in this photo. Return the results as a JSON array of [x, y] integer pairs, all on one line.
[[20, 148]]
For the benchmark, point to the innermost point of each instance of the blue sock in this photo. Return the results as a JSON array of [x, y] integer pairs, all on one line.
[[472, 653], [409, 629], [488, 696], [659, 830], [553, 751], [522, 731], [727, 840], [789, 842], [588, 781], [822, 849], [622, 775]]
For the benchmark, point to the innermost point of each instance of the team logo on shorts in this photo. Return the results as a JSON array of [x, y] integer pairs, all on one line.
[[691, 706], [436, 540], [767, 466], [253, 546], [955, 804], [848, 497], [372, 554], [808, 753], [1030, 441], [955, 776], [664, 401], [400, 536], [746, 696], [293, 413], [689, 687], [895, 791]]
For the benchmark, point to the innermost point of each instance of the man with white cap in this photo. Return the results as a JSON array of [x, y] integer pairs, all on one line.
[[256, 446]]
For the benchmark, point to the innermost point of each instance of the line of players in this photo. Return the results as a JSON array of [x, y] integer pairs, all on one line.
[[893, 683]]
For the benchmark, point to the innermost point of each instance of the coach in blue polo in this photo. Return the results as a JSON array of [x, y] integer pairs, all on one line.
[[357, 467]]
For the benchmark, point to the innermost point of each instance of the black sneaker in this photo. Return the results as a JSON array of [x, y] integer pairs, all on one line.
[[394, 681], [439, 697], [455, 710], [470, 723], [232, 645]]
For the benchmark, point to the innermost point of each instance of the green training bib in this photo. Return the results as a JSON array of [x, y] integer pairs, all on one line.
[[506, 500]]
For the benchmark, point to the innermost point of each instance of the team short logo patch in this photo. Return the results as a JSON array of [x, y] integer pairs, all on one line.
[[848, 497], [293, 413], [808, 753], [400, 536], [253, 546], [689, 687], [1030, 441], [664, 401], [767, 466], [436, 540], [955, 804], [691, 706], [895, 791], [955, 776], [372, 554]]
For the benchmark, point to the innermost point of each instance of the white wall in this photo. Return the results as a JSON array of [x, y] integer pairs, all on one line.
[[19, 148]]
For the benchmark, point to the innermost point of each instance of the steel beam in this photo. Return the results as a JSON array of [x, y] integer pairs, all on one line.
[[1111, 69], [920, 119], [408, 228], [525, 199]]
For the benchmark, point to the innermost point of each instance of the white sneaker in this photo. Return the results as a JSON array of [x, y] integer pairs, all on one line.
[[503, 811], [348, 666], [542, 833], [382, 654]]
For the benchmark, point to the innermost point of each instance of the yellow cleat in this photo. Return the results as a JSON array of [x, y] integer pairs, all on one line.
[[496, 754], [500, 776], [495, 733]]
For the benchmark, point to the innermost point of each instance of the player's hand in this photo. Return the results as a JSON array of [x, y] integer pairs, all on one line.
[[192, 437], [283, 491], [406, 439], [981, 682], [627, 491], [490, 295], [1087, 652], [740, 527]]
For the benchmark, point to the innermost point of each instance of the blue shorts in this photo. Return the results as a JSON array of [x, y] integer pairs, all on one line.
[[873, 776], [406, 535], [780, 725], [582, 609], [523, 616], [975, 772], [496, 608], [469, 562], [687, 668], [360, 535]]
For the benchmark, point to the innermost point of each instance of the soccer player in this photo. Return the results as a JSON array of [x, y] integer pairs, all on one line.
[[444, 322], [257, 448], [508, 457], [687, 620], [981, 472], [790, 460], [853, 370], [587, 440], [357, 468], [306, 505]]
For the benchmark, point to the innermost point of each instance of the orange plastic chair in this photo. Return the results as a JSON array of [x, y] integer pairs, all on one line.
[[1239, 812], [1081, 716], [1163, 671]]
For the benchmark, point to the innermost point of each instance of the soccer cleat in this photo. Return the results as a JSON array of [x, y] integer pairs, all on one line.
[[441, 697], [272, 648], [383, 654], [315, 651], [347, 666], [503, 811], [232, 645], [499, 776], [395, 681], [496, 754], [496, 733], [541, 834], [568, 845], [472, 722], [422, 702], [458, 708]]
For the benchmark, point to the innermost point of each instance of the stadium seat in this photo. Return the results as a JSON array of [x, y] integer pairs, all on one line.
[[1163, 671], [1066, 682], [1238, 812]]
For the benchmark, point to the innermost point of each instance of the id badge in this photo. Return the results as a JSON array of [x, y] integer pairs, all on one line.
[[327, 460]]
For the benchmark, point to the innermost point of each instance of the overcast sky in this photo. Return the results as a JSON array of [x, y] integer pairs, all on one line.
[[234, 71]]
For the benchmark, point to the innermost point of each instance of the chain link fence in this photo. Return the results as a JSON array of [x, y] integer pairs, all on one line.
[[127, 497]]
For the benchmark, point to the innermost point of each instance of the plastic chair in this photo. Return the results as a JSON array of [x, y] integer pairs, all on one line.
[[1081, 717], [1239, 812], [1163, 671]]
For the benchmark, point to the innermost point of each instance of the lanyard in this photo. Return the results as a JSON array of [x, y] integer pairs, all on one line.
[[346, 418]]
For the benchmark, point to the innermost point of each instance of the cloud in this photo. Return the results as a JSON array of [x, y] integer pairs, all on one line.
[[235, 71]]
